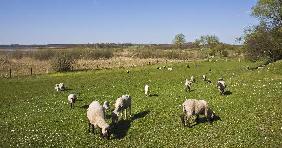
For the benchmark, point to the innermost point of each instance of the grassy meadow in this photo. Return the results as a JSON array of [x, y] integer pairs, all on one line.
[[33, 114]]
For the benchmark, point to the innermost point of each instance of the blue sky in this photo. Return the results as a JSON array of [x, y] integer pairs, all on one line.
[[121, 21]]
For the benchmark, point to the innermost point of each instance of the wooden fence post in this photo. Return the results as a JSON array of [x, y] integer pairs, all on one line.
[[31, 71]]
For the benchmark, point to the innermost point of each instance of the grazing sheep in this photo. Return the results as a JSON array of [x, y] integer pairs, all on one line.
[[221, 86], [159, 67], [204, 77], [146, 90], [95, 115], [123, 104], [170, 69], [62, 87], [192, 79], [195, 107], [72, 98], [57, 88], [127, 71], [106, 106], [188, 85]]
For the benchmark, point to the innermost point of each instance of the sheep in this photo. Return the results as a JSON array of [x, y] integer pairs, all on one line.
[[221, 86], [72, 98], [188, 85], [123, 104], [62, 86], [96, 118], [204, 77], [170, 69], [146, 90], [196, 107], [57, 87], [192, 79]]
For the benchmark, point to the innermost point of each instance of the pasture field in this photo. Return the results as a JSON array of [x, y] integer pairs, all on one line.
[[33, 114]]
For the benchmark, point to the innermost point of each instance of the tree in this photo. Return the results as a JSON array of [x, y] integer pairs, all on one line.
[[207, 41], [265, 39], [179, 40]]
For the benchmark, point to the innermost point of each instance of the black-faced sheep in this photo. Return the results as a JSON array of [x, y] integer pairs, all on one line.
[[221, 86], [72, 98], [188, 85]]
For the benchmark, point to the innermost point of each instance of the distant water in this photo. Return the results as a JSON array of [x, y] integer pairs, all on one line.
[[17, 49]]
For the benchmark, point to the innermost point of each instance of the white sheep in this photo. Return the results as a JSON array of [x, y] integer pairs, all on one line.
[[188, 85], [96, 118], [204, 78], [170, 69], [62, 87], [146, 89], [72, 98], [195, 107], [192, 79], [106, 106], [221, 86], [123, 104], [57, 87]]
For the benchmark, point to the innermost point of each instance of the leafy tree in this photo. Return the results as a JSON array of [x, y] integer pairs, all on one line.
[[179, 40], [208, 41], [265, 39]]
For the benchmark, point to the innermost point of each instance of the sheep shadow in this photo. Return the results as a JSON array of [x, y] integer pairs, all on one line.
[[227, 93], [84, 106], [153, 95], [120, 129], [201, 120]]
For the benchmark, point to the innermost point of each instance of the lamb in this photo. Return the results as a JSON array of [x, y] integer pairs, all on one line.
[[57, 87], [106, 106], [123, 104], [146, 90], [221, 86], [192, 79], [188, 85], [62, 87], [196, 107], [96, 117], [204, 78], [72, 98]]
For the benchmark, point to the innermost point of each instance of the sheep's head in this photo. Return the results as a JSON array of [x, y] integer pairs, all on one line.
[[106, 132]]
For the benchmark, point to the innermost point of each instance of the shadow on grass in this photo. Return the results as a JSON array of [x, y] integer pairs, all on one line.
[[84, 106], [120, 129], [227, 93], [200, 120], [153, 95]]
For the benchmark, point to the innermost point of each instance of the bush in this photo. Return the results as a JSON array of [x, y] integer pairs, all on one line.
[[62, 62], [98, 54], [43, 54]]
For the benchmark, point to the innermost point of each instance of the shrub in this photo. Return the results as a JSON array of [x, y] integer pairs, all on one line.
[[98, 54], [43, 54], [63, 61]]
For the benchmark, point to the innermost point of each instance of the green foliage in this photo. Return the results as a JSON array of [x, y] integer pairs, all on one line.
[[38, 116], [62, 61], [265, 40], [207, 41], [179, 40]]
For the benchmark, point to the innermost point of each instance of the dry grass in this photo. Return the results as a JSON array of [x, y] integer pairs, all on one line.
[[22, 66]]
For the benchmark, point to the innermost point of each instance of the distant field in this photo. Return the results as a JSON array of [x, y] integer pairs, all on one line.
[[33, 114]]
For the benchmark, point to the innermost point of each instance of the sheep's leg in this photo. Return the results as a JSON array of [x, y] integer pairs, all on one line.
[[125, 114], [93, 128], [89, 126], [129, 110]]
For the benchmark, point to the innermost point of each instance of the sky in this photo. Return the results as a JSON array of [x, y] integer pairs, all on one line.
[[121, 21]]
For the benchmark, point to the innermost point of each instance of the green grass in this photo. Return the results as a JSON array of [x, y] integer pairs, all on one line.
[[34, 114]]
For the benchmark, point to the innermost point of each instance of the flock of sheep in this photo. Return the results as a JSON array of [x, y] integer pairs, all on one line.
[[96, 113]]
